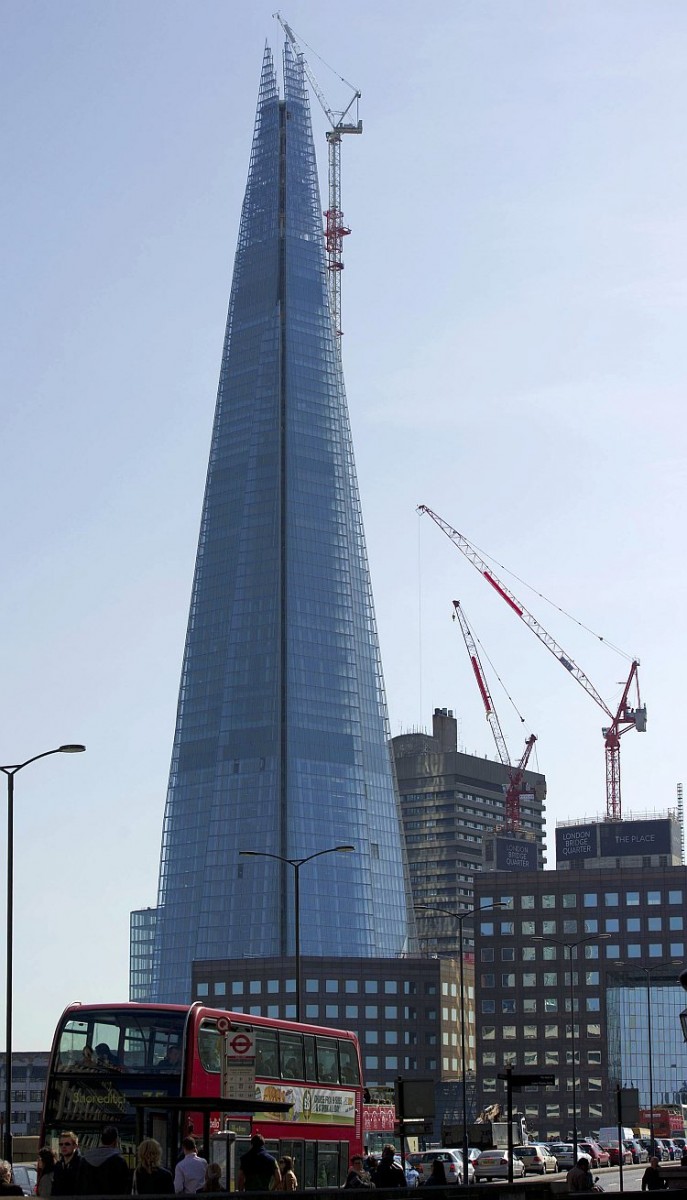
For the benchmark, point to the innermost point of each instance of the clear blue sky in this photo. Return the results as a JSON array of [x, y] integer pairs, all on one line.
[[514, 311]]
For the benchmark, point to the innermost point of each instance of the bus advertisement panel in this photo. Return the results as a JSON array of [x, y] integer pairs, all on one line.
[[107, 1058]]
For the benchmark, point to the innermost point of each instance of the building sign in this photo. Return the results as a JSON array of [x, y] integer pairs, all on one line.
[[379, 1118], [320, 1106], [623, 838], [576, 841], [512, 854]]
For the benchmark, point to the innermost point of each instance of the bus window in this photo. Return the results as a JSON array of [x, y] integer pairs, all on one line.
[[266, 1055], [104, 1041], [310, 1064], [348, 1061], [291, 1055], [327, 1164], [327, 1067], [208, 1046]]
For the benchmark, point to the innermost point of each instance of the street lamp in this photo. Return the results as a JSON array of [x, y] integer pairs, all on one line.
[[10, 771], [674, 962], [297, 863], [570, 946], [460, 918]]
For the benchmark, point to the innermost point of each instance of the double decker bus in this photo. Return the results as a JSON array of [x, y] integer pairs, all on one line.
[[110, 1060]]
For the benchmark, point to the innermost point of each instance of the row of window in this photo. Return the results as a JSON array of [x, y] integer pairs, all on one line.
[[536, 1032], [546, 1058], [632, 899], [282, 1054], [350, 987], [589, 925], [548, 1005], [591, 951]]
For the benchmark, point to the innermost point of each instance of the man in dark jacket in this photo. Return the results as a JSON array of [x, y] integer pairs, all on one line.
[[66, 1176], [388, 1173], [259, 1171], [104, 1171]]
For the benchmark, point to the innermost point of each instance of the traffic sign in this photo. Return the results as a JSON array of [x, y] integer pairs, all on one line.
[[223, 1024]]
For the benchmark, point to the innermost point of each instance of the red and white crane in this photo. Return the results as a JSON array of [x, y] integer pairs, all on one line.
[[625, 717], [515, 774], [335, 230]]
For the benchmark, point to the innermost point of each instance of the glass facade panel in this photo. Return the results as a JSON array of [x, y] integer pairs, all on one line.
[[281, 741]]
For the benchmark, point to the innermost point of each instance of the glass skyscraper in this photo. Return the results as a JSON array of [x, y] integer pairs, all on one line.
[[281, 741]]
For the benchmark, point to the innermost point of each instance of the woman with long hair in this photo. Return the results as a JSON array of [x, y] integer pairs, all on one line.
[[150, 1179], [45, 1167]]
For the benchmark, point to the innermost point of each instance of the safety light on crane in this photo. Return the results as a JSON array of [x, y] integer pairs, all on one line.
[[626, 717], [515, 774], [335, 229]]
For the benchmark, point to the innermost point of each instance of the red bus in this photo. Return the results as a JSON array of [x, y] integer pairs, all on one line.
[[107, 1057]]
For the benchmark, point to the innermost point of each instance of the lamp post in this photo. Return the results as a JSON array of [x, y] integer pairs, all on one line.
[[648, 971], [570, 946], [297, 863], [10, 771], [460, 917]]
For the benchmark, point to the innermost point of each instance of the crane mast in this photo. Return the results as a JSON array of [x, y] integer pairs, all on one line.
[[515, 774], [335, 229], [625, 717]]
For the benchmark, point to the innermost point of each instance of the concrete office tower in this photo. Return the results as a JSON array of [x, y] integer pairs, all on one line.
[[281, 740]]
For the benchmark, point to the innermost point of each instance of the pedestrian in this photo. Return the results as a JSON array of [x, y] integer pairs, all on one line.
[[150, 1178], [371, 1163], [259, 1171], [437, 1176], [189, 1175], [7, 1188], [389, 1174], [104, 1171], [213, 1178], [45, 1167], [289, 1183], [579, 1177], [412, 1176], [357, 1177], [652, 1180], [67, 1173]]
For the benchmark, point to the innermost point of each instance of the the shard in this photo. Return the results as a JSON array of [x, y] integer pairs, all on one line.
[[281, 740]]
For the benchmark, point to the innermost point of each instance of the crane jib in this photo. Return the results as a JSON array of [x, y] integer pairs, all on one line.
[[509, 600]]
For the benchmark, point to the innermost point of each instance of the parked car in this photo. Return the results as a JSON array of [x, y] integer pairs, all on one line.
[[599, 1156], [493, 1164], [563, 1153], [662, 1153], [618, 1153], [452, 1160], [25, 1177], [664, 1150], [537, 1158], [639, 1153], [473, 1154], [670, 1148]]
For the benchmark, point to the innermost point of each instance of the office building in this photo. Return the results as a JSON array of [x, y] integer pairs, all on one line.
[[281, 743], [568, 979], [29, 1075], [451, 804]]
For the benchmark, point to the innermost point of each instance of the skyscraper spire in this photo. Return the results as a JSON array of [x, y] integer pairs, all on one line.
[[281, 741]]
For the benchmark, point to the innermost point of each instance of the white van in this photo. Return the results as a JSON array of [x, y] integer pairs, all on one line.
[[609, 1133]]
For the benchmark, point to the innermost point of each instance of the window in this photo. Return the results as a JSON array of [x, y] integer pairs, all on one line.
[[527, 928], [371, 1062], [594, 1030], [487, 955], [508, 980], [591, 978], [508, 927], [391, 1037], [489, 1058], [548, 927], [487, 928], [508, 1032], [530, 1032], [675, 897], [550, 978], [527, 901], [371, 986], [351, 1010], [612, 950], [391, 1012], [550, 1004], [311, 1010], [549, 953], [675, 922], [488, 1006], [591, 925], [529, 1006], [634, 950], [529, 953], [529, 979], [633, 925], [371, 1011], [570, 900], [593, 1004], [654, 897], [312, 985], [488, 980], [548, 901], [390, 987], [611, 899], [331, 1012], [655, 950], [591, 900], [551, 1031], [202, 989], [508, 954], [220, 989], [570, 927], [488, 1033], [237, 987], [677, 949], [612, 924], [508, 1006], [551, 1058], [351, 986], [632, 899], [654, 924]]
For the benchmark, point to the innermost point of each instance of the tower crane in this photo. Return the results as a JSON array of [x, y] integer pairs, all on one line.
[[335, 230], [625, 717], [515, 774]]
